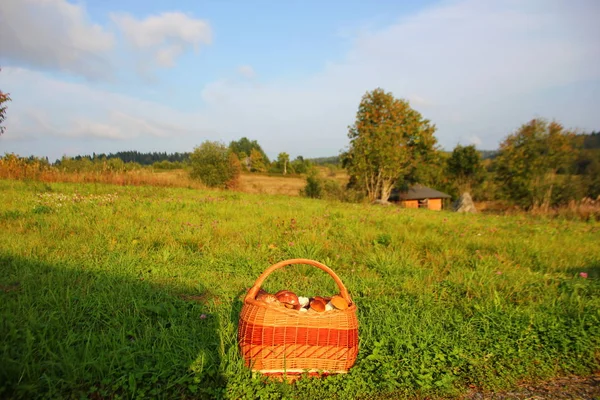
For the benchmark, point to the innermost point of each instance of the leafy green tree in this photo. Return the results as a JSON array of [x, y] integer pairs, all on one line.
[[387, 141], [214, 164], [530, 160], [465, 168], [245, 145], [257, 161], [283, 159], [592, 177], [4, 98], [300, 165], [429, 170], [587, 165]]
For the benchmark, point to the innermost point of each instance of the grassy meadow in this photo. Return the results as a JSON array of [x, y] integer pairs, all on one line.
[[113, 291]]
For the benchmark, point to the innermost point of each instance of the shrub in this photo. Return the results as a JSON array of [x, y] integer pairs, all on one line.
[[314, 186], [330, 189], [214, 164]]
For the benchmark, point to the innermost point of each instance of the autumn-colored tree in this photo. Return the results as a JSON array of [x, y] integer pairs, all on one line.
[[235, 170], [257, 161], [215, 165], [4, 98], [245, 146], [465, 167], [387, 141], [283, 160], [530, 159]]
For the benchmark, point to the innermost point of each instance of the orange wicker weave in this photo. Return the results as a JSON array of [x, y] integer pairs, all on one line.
[[275, 340]]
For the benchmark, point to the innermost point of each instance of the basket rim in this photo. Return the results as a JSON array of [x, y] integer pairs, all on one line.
[[281, 309], [253, 292]]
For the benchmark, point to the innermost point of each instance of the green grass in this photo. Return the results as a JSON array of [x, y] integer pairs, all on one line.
[[102, 289]]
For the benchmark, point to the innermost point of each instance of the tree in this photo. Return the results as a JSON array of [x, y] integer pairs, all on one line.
[[257, 162], [530, 160], [464, 167], [4, 98], [245, 145], [387, 141], [282, 160], [429, 170], [215, 165], [300, 165]]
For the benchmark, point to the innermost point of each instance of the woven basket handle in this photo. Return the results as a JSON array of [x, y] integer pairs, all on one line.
[[254, 289]]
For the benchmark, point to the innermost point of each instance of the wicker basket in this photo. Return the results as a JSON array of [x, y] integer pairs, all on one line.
[[275, 340]]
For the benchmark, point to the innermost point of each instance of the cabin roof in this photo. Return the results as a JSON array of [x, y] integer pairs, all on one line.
[[418, 192]]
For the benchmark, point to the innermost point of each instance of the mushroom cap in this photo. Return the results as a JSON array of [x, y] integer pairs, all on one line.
[[288, 297]]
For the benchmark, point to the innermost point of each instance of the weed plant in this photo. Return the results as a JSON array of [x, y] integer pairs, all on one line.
[[134, 292]]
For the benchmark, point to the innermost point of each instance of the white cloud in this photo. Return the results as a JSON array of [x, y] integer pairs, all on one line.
[[478, 70], [91, 112], [246, 71], [472, 67], [419, 101], [83, 127], [57, 35], [120, 126], [53, 34], [165, 36], [474, 139]]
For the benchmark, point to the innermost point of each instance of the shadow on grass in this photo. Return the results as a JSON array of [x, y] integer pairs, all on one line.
[[71, 332]]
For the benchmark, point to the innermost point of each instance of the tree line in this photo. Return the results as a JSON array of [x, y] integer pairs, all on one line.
[[540, 165], [136, 157], [392, 147]]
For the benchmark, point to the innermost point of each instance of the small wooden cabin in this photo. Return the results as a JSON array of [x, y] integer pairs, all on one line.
[[419, 196]]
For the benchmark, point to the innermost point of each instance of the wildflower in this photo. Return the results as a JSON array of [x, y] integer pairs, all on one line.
[[498, 272], [584, 275], [203, 316]]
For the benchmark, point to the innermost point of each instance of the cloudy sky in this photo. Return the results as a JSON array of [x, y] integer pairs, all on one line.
[[107, 75]]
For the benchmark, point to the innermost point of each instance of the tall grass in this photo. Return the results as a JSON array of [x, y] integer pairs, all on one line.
[[13, 167], [134, 292]]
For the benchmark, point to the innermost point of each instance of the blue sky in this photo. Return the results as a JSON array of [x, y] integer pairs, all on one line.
[[107, 75]]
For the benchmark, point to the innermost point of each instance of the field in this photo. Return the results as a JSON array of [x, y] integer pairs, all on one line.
[[134, 292], [257, 183]]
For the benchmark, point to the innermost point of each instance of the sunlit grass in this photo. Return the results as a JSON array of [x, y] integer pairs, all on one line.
[[102, 289]]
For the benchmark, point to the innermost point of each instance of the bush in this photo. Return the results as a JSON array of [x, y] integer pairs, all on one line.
[[330, 189], [300, 165], [314, 187], [215, 165]]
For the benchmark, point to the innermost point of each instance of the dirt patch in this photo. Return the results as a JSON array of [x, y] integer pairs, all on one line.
[[10, 288], [573, 387]]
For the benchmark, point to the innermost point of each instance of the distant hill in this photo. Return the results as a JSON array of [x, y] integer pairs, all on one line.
[[325, 160], [488, 154]]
